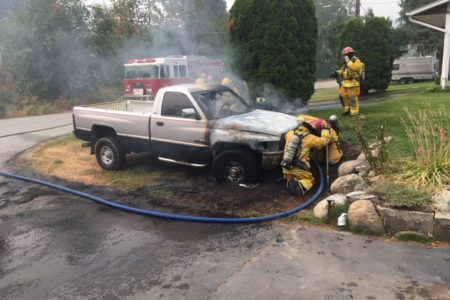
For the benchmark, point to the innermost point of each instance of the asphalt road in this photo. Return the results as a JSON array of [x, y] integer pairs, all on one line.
[[57, 246]]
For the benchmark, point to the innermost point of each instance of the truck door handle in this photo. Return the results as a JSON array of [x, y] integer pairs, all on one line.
[[160, 123]]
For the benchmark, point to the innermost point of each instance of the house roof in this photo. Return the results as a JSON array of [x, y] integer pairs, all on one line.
[[433, 13]]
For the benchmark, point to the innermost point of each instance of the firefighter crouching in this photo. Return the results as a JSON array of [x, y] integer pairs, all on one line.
[[351, 73], [312, 134]]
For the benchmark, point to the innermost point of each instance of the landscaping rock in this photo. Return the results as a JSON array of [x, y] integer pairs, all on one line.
[[441, 227], [360, 195], [321, 209], [402, 220], [362, 156], [362, 213], [376, 145], [339, 199], [372, 174], [375, 148], [353, 166], [346, 184]]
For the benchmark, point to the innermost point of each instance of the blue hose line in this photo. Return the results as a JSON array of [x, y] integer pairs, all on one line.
[[172, 216]]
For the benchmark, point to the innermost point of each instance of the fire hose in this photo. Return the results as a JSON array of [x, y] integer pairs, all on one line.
[[152, 213]]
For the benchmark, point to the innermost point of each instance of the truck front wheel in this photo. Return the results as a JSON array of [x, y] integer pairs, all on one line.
[[236, 166], [108, 153]]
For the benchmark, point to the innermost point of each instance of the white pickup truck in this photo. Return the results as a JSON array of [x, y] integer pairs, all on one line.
[[189, 124]]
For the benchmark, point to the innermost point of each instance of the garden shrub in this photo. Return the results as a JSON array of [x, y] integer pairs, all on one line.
[[401, 195]]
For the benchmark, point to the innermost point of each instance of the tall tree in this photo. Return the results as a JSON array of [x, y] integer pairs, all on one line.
[[194, 26], [273, 44], [372, 40], [47, 47], [331, 17]]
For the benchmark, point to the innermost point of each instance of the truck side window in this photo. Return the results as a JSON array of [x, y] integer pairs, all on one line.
[[395, 67], [173, 104]]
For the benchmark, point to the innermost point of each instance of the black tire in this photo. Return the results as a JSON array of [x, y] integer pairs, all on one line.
[[108, 153], [402, 81], [236, 166], [410, 80]]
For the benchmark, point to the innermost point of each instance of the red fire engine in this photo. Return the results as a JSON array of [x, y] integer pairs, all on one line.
[[144, 77]]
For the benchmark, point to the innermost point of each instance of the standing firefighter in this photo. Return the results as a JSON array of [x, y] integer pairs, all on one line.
[[351, 73], [312, 133]]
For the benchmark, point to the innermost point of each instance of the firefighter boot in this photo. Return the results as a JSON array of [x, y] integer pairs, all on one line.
[[295, 188]]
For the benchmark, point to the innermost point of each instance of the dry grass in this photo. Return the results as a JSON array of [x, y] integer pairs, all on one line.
[[428, 131], [66, 159]]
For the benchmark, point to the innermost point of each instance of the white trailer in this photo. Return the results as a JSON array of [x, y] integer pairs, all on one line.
[[412, 69]]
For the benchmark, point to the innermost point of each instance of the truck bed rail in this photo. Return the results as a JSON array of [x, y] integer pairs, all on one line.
[[125, 104]]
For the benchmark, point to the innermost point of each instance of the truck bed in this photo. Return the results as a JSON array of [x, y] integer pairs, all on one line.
[[128, 118]]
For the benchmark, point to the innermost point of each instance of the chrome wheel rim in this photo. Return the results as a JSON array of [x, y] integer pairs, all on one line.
[[106, 155]]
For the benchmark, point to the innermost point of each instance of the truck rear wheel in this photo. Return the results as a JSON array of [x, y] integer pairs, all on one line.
[[236, 166], [108, 153]]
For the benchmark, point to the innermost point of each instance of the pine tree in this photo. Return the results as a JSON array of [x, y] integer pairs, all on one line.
[[372, 40], [273, 44]]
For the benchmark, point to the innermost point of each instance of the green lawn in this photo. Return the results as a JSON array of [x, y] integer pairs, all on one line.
[[332, 94], [390, 113], [325, 95]]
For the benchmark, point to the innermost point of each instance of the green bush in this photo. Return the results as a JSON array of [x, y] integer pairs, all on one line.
[[373, 43], [401, 195], [273, 47]]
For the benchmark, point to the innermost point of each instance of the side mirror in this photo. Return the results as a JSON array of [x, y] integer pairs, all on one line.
[[261, 100], [189, 113]]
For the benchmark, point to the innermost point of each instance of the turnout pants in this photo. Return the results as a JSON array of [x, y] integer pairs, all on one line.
[[351, 99], [303, 177]]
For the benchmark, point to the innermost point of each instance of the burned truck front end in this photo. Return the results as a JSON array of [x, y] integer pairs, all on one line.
[[261, 132]]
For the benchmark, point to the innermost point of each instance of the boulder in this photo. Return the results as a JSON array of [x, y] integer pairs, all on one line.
[[346, 184], [362, 213], [339, 199], [441, 227], [353, 166], [321, 209], [405, 220], [360, 195], [362, 156]]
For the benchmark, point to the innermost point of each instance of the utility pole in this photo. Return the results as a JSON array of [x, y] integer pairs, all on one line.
[[358, 8]]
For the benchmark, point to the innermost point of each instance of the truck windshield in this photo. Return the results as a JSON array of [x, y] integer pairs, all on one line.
[[142, 72], [221, 103]]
